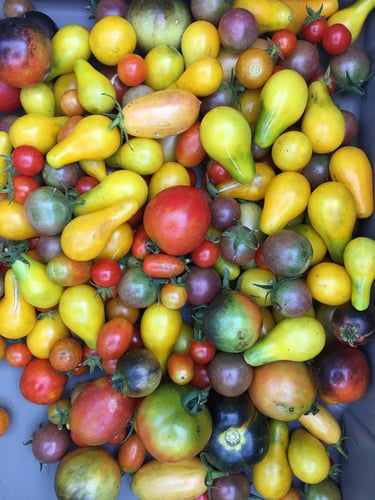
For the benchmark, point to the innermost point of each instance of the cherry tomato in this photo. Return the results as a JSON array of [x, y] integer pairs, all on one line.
[[132, 69], [40, 383], [58, 412], [313, 31], [336, 39], [66, 354], [189, 149], [286, 41], [202, 352], [201, 379], [85, 183], [216, 172], [162, 265], [70, 104], [23, 185], [327, 79], [173, 295], [106, 272], [18, 354], [27, 160], [253, 68], [131, 454], [114, 338], [206, 254], [136, 340], [180, 368]]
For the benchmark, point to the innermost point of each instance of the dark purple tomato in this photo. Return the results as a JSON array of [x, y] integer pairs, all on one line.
[[341, 374], [202, 285], [111, 8], [229, 373], [304, 59], [223, 96], [351, 70], [225, 212], [62, 178], [353, 327], [49, 444], [45, 22], [238, 29], [48, 247], [317, 170], [210, 10], [238, 244], [291, 297], [234, 486], [351, 126], [136, 289]]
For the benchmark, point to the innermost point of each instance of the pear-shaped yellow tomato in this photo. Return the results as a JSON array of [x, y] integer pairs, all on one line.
[[141, 155], [47, 330], [13, 222], [322, 424], [164, 66], [202, 77], [352, 16], [82, 310], [329, 283], [38, 98], [200, 39]]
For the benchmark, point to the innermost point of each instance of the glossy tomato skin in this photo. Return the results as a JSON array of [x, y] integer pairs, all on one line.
[[9, 98], [341, 373], [336, 39], [40, 383], [353, 327], [177, 219], [168, 431]]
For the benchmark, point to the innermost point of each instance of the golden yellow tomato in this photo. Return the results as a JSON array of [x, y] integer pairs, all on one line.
[[141, 155], [169, 174], [329, 283], [200, 39], [164, 65], [256, 282], [291, 151], [202, 77], [111, 38], [46, 331], [253, 68]]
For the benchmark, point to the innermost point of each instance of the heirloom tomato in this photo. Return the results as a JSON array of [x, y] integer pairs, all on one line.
[[40, 383], [131, 454], [18, 354], [168, 424]]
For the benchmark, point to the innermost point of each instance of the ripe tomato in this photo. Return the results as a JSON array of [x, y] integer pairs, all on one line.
[[206, 254], [27, 160], [327, 79], [253, 68], [132, 69], [85, 183], [216, 172], [180, 368], [114, 338], [173, 295], [202, 352], [336, 39], [313, 30], [23, 185], [131, 454], [18, 354], [40, 383], [162, 265], [189, 149], [285, 40], [66, 354], [9, 98], [106, 272], [201, 379]]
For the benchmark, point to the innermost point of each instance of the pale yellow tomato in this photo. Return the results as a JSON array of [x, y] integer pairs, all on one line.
[[169, 174], [200, 39], [202, 77], [291, 151], [141, 155], [329, 283], [111, 38], [164, 65]]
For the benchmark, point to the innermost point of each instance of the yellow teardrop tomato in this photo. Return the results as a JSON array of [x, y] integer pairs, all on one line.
[[200, 39], [329, 283], [48, 328], [169, 174], [111, 38], [13, 222], [38, 98], [119, 243], [291, 151], [141, 155], [202, 77], [164, 65]]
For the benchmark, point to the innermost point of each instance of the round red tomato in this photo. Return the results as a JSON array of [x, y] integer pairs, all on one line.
[[40, 383], [106, 272], [202, 352], [313, 30], [177, 219], [23, 185], [132, 69], [9, 98], [27, 160], [18, 354], [114, 338], [201, 379], [206, 254], [336, 39], [285, 40], [216, 173], [85, 183]]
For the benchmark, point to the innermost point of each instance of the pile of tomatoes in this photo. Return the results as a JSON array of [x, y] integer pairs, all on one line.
[[182, 280]]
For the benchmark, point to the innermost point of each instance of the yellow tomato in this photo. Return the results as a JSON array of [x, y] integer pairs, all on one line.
[[329, 283], [67, 81], [13, 221], [249, 104], [292, 150], [200, 39], [169, 174], [256, 282], [141, 155], [202, 77], [47, 329], [111, 38], [164, 65], [119, 243], [38, 98]]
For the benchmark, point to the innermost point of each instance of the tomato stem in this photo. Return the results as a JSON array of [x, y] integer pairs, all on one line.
[[195, 400]]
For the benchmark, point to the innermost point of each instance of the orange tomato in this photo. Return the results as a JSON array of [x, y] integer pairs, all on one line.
[[253, 68]]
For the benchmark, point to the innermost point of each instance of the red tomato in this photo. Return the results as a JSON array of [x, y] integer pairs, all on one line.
[[140, 240], [180, 368], [177, 219], [189, 149], [23, 185], [336, 39], [136, 341], [85, 183], [162, 265], [27, 160], [131, 454], [114, 338], [106, 272], [18, 354], [313, 30], [259, 258], [132, 69], [285, 40], [202, 352], [216, 173], [109, 366], [201, 379], [206, 254], [40, 383], [9, 98]]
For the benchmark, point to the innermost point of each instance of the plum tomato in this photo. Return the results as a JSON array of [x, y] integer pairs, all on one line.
[[180, 368]]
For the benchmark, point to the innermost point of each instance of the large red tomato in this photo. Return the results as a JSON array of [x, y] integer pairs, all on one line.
[[177, 219], [40, 383]]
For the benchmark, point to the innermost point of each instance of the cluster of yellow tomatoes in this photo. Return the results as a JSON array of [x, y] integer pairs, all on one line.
[[129, 151]]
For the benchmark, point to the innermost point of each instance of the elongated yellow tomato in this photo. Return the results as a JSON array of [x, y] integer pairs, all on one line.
[[251, 191], [292, 339], [87, 235], [160, 328], [359, 261], [202, 77], [115, 187], [332, 213], [161, 113], [35, 284], [282, 102], [47, 329], [82, 310], [38, 98], [299, 11], [308, 458], [13, 222], [353, 16], [36, 130], [322, 121], [351, 166], [329, 283], [322, 424], [92, 138], [200, 39], [226, 137], [272, 476], [286, 197], [17, 316], [5, 149], [272, 15], [157, 480]]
